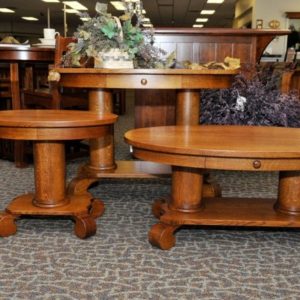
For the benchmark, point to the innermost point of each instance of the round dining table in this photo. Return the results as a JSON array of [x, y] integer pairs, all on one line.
[[101, 82]]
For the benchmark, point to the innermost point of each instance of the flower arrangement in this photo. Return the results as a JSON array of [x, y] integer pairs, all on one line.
[[104, 37]]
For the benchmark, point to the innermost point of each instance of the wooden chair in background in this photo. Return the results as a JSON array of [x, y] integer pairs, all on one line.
[[290, 81]]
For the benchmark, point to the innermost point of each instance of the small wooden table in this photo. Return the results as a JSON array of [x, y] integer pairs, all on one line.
[[49, 129], [191, 150], [100, 83], [17, 56]]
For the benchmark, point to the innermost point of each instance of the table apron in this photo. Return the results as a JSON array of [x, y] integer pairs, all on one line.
[[219, 163]]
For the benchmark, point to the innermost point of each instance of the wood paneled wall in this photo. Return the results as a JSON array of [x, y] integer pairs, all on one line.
[[156, 107]]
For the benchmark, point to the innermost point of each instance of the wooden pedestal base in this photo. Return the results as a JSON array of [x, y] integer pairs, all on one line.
[[48, 129], [82, 209], [87, 175], [192, 150], [217, 211]]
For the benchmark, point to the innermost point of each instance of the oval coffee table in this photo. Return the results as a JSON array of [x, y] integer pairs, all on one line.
[[49, 129], [191, 150]]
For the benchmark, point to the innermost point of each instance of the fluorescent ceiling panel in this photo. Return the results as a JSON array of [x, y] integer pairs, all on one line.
[[71, 11], [75, 5], [207, 12], [84, 19], [201, 20], [30, 18], [118, 5], [147, 25], [6, 10], [51, 1], [215, 1], [198, 25]]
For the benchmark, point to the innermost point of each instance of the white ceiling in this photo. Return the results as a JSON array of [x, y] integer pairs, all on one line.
[[163, 13]]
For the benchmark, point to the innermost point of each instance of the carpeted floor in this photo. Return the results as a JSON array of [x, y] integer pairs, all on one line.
[[44, 260]]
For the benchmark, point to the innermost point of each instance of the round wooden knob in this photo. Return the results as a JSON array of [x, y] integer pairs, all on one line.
[[256, 164], [144, 81]]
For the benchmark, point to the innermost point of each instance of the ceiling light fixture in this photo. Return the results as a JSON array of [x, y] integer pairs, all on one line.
[[147, 25], [84, 19], [207, 12], [71, 11], [118, 5], [75, 5], [201, 20], [6, 10], [198, 25], [215, 1], [51, 1], [30, 18]]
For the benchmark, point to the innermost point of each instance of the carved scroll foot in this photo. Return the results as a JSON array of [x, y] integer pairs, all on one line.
[[7, 225], [162, 235], [97, 208], [85, 226]]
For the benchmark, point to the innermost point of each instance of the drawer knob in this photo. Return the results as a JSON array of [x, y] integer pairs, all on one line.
[[144, 81], [256, 164]]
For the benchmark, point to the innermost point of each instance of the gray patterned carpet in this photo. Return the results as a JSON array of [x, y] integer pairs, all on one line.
[[44, 260]]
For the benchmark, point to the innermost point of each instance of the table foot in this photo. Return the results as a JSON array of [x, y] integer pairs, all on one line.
[[85, 226], [7, 225], [96, 208], [83, 209], [162, 235]]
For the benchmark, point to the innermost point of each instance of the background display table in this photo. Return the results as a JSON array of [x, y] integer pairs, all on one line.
[[100, 83]]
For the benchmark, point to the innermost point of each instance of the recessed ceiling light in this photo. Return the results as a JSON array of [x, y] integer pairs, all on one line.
[[198, 25], [75, 5], [30, 18], [207, 12], [215, 1], [84, 19], [51, 1], [71, 11], [6, 10], [147, 25], [118, 5], [201, 20]]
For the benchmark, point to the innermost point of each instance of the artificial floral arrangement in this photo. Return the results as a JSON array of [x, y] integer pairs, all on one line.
[[120, 39], [255, 101]]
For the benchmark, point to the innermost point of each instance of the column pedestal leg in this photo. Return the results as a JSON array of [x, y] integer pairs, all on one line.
[[289, 193], [188, 113], [186, 197], [50, 198]]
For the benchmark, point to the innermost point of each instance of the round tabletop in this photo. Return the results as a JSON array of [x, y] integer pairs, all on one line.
[[219, 141], [53, 118]]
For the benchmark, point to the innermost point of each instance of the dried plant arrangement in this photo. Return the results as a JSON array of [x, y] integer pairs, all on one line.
[[106, 37]]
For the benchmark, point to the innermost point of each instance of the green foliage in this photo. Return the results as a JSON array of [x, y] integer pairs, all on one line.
[[105, 32], [110, 29]]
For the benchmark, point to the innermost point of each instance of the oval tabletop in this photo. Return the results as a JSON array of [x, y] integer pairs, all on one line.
[[53, 118], [219, 141]]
